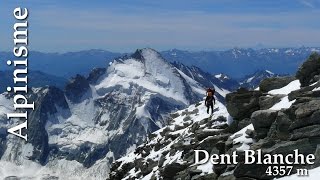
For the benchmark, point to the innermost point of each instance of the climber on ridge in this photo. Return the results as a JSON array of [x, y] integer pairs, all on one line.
[[210, 100]]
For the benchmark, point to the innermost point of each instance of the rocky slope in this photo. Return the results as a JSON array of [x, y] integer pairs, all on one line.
[[169, 150], [77, 133], [275, 119]]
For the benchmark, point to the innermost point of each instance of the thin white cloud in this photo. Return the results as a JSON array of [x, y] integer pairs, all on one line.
[[307, 3]]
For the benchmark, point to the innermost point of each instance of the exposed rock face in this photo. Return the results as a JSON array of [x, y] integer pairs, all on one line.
[[95, 74], [207, 79], [256, 171], [49, 99], [269, 84], [262, 120], [172, 169], [138, 55], [306, 109], [242, 103], [305, 92], [76, 88], [283, 131], [309, 72], [280, 128], [266, 102]]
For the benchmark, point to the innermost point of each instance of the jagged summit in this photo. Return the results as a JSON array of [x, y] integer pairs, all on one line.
[[252, 81], [146, 54], [146, 70], [138, 54]]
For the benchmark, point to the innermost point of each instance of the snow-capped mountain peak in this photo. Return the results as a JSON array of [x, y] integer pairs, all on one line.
[[99, 118], [145, 69], [253, 80], [222, 77]]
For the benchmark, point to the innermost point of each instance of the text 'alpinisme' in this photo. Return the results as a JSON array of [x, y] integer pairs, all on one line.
[[20, 50]]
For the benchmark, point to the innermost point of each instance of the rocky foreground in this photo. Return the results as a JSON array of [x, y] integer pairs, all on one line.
[[283, 115]]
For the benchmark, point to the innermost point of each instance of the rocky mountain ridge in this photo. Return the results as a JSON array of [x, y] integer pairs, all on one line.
[[280, 117]]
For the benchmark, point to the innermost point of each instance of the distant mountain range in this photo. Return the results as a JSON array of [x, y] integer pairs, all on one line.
[[236, 62], [35, 79], [239, 62], [65, 64]]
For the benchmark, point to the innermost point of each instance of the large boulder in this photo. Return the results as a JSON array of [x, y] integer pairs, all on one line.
[[203, 133], [249, 171], [304, 92], [280, 128], [263, 118], [257, 171], [171, 170], [309, 72], [306, 132], [267, 102], [269, 84], [210, 142], [307, 109], [308, 121], [243, 103], [120, 173], [262, 121], [146, 167], [305, 146]]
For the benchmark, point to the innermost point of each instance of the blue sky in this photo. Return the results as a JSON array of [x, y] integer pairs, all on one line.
[[125, 25]]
